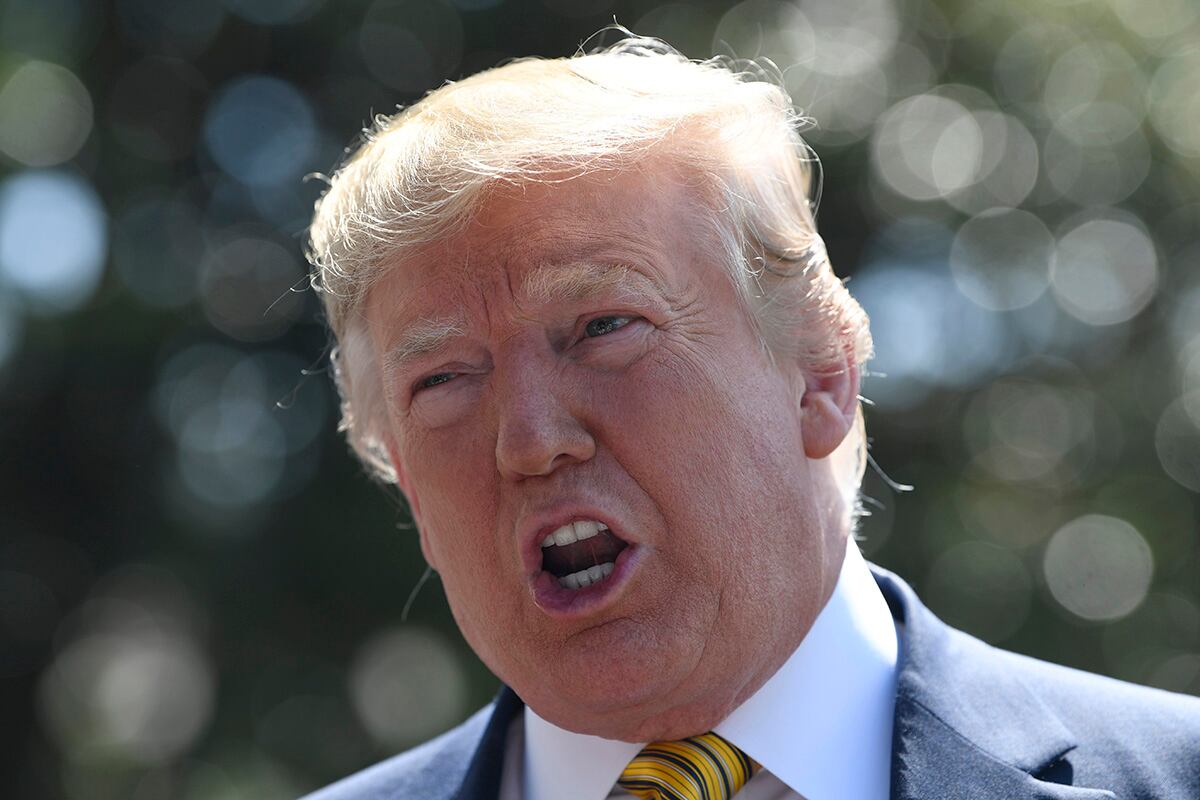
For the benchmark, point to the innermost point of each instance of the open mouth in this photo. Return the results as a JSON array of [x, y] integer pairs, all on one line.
[[580, 554]]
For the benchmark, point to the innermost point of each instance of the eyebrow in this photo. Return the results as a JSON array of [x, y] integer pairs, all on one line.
[[566, 282], [421, 338]]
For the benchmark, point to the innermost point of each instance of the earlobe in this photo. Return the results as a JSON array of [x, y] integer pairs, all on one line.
[[404, 482], [829, 406]]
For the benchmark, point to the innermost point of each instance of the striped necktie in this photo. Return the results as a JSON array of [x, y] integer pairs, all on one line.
[[704, 767]]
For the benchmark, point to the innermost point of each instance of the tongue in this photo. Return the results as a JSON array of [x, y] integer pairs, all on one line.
[[565, 559]]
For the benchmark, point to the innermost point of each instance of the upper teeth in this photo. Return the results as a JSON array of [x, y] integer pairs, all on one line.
[[574, 532]]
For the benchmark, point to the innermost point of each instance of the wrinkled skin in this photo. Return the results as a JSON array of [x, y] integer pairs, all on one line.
[[650, 398]]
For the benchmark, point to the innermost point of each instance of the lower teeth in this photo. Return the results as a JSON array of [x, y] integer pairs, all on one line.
[[586, 577]]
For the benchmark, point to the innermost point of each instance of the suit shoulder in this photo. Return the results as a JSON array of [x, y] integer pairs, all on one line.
[[1088, 698], [1145, 741], [427, 771]]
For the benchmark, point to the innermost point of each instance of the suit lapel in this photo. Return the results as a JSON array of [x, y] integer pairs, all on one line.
[[965, 725], [931, 760], [482, 780]]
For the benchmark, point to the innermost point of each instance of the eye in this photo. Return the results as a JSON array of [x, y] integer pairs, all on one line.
[[602, 326], [434, 380]]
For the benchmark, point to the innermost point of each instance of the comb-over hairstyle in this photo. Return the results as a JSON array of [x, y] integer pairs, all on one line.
[[726, 128]]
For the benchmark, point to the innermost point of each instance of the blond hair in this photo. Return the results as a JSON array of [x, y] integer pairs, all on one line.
[[421, 174]]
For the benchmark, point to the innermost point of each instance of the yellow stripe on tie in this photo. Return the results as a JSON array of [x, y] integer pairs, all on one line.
[[704, 767]]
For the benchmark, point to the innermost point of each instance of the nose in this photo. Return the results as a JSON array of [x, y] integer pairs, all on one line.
[[538, 431]]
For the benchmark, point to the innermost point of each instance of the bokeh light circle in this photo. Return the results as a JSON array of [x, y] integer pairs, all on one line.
[[849, 44], [981, 588], [132, 681], [45, 114], [913, 69], [1177, 442], [231, 453], [1098, 567], [927, 334], [1023, 430], [407, 685], [158, 243], [411, 45], [188, 381], [1183, 314], [143, 697], [1189, 368], [1001, 258], [687, 27], [1175, 103], [53, 239], [1005, 513], [250, 288], [1178, 673], [1105, 271], [1096, 174], [844, 106], [262, 131], [1010, 166], [1023, 61], [927, 147], [853, 37], [235, 419], [1156, 19], [768, 29], [1094, 93]]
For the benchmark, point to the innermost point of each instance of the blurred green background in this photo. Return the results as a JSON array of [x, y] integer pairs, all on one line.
[[201, 594]]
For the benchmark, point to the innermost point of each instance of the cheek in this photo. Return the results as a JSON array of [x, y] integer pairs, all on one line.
[[457, 517], [731, 412], [717, 446]]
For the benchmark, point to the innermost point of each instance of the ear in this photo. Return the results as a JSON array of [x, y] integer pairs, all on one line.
[[404, 481], [828, 407]]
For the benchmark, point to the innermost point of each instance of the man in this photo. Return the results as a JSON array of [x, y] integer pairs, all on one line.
[[587, 326]]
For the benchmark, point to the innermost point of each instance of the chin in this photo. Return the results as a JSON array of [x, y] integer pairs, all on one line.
[[601, 696], [600, 692], [642, 719], [631, 703], [679, 724]]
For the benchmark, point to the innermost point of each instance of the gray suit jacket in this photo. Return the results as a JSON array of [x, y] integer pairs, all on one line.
[[971, 722]]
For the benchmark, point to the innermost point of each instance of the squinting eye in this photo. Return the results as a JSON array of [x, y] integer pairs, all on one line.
[[434, 380], [602, 326]]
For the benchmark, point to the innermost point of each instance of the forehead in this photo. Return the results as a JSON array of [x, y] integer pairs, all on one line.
[[638, 230]]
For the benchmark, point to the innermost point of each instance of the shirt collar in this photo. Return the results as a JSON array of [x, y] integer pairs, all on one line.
[[822, 723]]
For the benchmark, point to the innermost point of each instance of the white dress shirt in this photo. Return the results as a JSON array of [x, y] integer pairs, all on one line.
[[821, 726]]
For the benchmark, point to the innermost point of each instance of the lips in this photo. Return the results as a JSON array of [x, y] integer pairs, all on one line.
[[577, 560]]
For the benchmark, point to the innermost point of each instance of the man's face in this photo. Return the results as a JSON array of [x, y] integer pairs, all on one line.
[[577, 355]]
